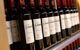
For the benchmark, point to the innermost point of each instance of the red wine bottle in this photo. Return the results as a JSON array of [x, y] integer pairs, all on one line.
[[64, 49], [76, 14], [77, 18], [78, 43], [76, 22], [71, 46], [52, 23], [67, 19], [44, 22], [35, 14], [50, 15], [9, 33], [57, 22], [68, 47], [71, 8], [14, 25], [14, 30], [25, 26], [62, 16]]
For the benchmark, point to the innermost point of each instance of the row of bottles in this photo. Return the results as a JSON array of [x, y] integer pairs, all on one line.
[[74, 45], [37, 24]]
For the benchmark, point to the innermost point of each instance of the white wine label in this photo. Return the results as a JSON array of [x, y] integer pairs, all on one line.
[[52, 25], [51, 19], [74, 22], [63, 21], [28, 31], [57, 24], [68, 21], [9, 32], [46, 30], [72, 19], [38, 29], [77, 14], [14, 29], [75, 19]]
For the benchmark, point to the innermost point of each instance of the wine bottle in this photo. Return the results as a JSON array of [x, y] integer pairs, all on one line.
[[52, 23], [57, 22], [14, 34], [14, 25], [76, 44], [45, 24], [71, 8], [62, 5], [35, 14], [44, 21], [50, 15], [77, 19], [63, 17], [67, 19], [79, 42], [9, 33], [67, 48], [25, 26], [71, 46]]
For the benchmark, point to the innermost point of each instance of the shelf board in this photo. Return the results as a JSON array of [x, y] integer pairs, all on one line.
[[3, 35], [64, 42]]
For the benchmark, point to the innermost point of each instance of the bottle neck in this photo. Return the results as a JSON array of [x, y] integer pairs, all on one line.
[[41, 3], [59, 4], [64, 4], [52, 4], [47, 3], [32, 3], [69, 4]]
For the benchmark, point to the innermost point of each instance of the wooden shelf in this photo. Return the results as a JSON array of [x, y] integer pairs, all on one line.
[[3, 35]]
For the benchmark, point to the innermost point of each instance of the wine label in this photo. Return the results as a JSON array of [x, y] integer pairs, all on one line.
[[77, 17], [14, 29], [57, 24], [28, 31], [52, 25], [9, 32], [46, 30], [72, 19], [38, 29], [68, 20], [63, 21]]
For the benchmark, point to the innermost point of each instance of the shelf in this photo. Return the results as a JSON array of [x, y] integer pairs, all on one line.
[[3, 35], [66, 42]]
